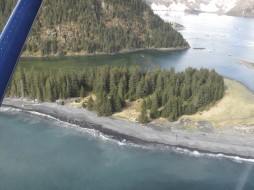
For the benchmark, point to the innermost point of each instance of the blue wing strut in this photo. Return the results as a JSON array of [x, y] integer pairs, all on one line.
[[13, 37]]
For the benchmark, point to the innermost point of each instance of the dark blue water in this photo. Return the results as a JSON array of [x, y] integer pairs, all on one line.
[[42, 153]]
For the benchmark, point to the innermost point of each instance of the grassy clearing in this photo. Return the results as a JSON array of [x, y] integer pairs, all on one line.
[[236, 108], [131, 111]]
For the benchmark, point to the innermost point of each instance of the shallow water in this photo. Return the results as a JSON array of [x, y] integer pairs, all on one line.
[[39, 153]]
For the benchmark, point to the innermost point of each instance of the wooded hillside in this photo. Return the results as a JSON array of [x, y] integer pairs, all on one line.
[[95, 26]]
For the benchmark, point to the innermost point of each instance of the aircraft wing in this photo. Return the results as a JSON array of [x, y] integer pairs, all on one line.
[[13, 38]]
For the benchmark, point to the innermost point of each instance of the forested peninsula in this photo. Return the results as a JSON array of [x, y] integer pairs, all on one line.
[[81, 27], [164, 93]]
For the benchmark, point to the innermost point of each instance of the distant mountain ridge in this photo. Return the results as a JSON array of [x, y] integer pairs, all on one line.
[[230, 7]]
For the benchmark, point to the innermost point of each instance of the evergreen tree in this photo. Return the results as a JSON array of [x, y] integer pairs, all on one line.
[[149, 102], [154, 109], [133, 82], [122, 88], [82, 26], [181, 93], [48, 92], [143, 115], [116, 103], [140, 91], [90, 103], [103, 105], [82, 92]]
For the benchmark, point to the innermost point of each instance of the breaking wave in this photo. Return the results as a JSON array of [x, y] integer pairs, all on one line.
[[9, 110], [111, 139], [197, 153]]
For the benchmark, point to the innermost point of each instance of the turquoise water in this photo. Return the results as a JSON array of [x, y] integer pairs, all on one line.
[[42, 153]]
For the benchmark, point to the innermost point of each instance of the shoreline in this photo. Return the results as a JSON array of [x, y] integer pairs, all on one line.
[[247, 64], [116, 53], [196, 12], [245, 86], [137, 133]]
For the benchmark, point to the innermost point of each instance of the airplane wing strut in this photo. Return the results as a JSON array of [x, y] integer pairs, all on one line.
[[13, 38]]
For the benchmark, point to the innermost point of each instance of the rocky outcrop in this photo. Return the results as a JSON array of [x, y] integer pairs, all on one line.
[[230, 7]]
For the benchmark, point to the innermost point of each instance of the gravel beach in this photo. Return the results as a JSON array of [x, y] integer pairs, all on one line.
[[233, 141]]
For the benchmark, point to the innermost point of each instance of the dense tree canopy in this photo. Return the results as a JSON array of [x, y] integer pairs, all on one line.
[[95, 26], [168, 94]]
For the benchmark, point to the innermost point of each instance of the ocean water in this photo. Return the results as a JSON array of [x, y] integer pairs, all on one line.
[[226, 40], [37, 152]]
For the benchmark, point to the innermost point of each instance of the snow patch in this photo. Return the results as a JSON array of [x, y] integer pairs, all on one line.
[[159, 7], [178, 7], [212, 6]]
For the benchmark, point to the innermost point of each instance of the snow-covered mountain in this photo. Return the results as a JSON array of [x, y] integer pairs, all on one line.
[[232, 7]]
